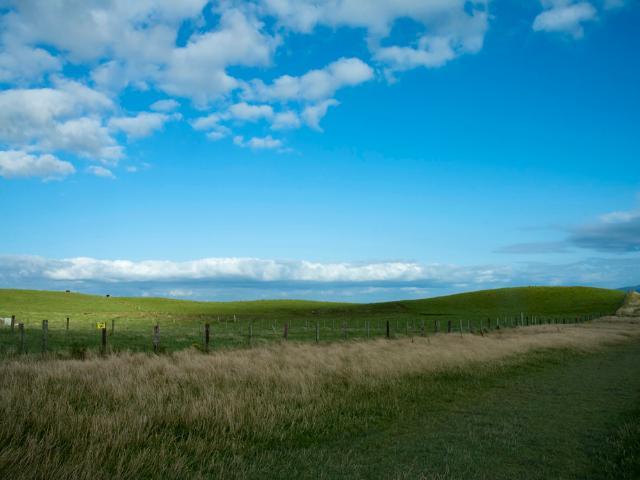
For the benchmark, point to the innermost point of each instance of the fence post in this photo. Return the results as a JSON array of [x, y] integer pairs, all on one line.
[[422, 329], [13, 323], [250, 331], [436, 326], [67, 324], [113, 326], [103, 344], [286, 330], [460, 327], [448, 326], [156, 338], [317, 331], [45, 335], [406, 328], [207, 330], [21, 331], [368, 322], [388, 330], [344, 329]]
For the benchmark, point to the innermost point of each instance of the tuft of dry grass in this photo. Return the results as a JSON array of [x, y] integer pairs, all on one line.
[[197, 415]]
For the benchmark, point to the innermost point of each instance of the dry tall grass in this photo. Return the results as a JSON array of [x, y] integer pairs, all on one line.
[[136, 415]]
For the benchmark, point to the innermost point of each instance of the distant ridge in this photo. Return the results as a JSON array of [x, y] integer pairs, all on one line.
[[631, 289]]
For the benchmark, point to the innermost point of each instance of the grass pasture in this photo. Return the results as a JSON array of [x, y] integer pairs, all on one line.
[[539, 402], [240, 324]]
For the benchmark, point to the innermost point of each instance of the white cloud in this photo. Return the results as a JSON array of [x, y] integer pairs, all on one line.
[[141, 125], [167, 105], [250, 113], [564, 16], [99, 171], [449, 27], [19, 164], [21, 64], [285, 120], [314, 85], [66, 117], [198, 70], [258, 143], [314, 113]]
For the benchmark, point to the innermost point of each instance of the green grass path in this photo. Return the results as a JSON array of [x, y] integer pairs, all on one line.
[[554, 415]]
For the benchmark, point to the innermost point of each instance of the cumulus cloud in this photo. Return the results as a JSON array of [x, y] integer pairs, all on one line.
[[19, 164], [65, 117], [314, 85], [258, 143], [454, 27], [141, 125], [565, 16], [100, 171], [167, 105], [314, 113]]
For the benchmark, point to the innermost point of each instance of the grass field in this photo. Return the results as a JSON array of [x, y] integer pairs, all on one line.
[[238, 324], [539, 402]]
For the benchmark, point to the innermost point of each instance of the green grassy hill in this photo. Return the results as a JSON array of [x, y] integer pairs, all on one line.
[[182, 322]]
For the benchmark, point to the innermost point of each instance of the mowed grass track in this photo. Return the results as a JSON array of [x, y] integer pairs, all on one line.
[[240, 324], [542, 402]]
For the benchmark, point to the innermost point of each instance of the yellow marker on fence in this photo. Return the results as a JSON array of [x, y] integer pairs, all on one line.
[[101, 325]]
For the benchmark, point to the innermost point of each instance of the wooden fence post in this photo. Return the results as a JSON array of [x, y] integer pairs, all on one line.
[[113, 326], [207, 333], [436, 326], [103, 343], [406, 328], [422, 329], [13, 323], [368, 323], [344, 329], [156, 338], [21, 331], [286, 330], [460, 327], [448, 326], [317, 331], [45, 336], [388, 330], [67, 324], [250, 331]]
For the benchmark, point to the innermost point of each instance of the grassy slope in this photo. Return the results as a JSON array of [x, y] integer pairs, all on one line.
[[182, 321]]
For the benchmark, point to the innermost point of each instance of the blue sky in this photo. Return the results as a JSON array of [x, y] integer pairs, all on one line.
[[334, 149]]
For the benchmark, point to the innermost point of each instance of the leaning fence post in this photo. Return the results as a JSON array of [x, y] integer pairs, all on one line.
[[207, 328], [156, 338], [103, 343], [45, 335], [21, 331]]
